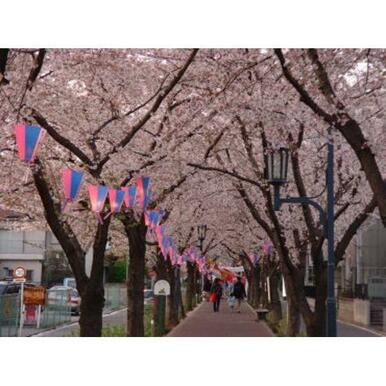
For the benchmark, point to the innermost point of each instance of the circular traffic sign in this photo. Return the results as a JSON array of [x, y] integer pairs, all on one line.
[[19, 273]]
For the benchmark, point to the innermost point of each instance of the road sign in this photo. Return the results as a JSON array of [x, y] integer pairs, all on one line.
[[34, 295], [161, 287], [19, 273], [19, 277], [19, 280]]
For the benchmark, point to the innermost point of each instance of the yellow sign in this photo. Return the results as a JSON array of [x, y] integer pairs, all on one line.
[[34, 295]]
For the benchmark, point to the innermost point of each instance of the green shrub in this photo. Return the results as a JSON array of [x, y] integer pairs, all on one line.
[[280, 327], [118, 272], [114, 331]]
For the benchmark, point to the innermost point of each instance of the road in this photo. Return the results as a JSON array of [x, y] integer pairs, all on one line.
[[114, 318], [349, 330], [345, 330]]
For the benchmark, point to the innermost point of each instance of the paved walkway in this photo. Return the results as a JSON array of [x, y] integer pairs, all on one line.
[[203, 322]]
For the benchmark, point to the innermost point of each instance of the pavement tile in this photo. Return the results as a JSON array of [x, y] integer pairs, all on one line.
[[203, 322]]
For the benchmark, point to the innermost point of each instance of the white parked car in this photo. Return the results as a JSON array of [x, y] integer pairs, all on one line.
[[58, 293]]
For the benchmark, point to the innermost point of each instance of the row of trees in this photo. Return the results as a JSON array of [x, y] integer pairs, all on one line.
[[198, 123]]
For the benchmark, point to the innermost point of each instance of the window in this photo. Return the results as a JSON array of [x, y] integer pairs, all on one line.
[[29, 275]]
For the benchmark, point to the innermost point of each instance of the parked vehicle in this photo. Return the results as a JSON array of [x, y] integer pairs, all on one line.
[[148, 296], [57, 293], [7, 287], [69, 282]]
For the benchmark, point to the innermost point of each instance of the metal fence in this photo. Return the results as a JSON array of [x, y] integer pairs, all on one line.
[[55, 312], [57, 309], [9, 314], [115, 297]]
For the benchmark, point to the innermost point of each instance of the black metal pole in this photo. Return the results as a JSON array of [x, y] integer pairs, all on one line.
[[331, 306]]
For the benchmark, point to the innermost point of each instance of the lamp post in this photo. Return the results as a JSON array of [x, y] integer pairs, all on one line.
[[276, 163], [201, 232]]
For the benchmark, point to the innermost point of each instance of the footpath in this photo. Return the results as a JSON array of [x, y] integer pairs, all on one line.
[[203, 322]]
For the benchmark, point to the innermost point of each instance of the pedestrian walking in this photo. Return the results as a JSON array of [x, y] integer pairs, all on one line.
[[216, 294], [231, 297], [207, 288], [239, 293]]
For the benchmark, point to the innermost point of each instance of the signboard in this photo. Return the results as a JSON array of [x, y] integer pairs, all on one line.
[[19, 275], [34, 295], [161, 287]]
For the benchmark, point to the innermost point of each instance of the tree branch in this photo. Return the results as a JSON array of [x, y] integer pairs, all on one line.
[[66, 143], [352, 229], [61, 229], [223, 171], [125, 140]]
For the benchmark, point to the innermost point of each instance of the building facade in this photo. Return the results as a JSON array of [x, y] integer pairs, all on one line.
[[27, 249]]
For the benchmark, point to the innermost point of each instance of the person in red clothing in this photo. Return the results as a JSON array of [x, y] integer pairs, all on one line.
[[216, 291]]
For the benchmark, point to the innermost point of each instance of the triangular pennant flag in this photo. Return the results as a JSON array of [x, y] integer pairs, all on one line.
[[28, 139], [98, 195], [72, 181]]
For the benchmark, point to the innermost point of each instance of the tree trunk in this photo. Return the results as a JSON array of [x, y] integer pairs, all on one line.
[[263, 299], [190, 285], [275, 304], [292, 284], [253, 277], [159, 308], [320, 312], [250, 286], [91, 309], [293, 317], [198, 285], [136, 233], [173, 299], [182, 313]]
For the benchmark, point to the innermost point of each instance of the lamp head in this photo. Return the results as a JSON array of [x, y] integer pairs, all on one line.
[[276, 166]]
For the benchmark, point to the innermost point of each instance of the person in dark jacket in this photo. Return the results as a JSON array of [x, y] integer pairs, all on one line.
[[217, 290], [207, 287], [239, 293]]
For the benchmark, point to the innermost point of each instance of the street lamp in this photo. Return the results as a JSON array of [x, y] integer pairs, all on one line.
[[276, 164], [201, 231]]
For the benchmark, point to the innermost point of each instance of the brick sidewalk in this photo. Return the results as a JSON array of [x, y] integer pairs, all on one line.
[[203, 322]]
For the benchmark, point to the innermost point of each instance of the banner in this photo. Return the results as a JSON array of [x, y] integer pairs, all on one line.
[[72, 181], [130, 195], [28, 139], [116, 199], [143, 191], [98, 195]]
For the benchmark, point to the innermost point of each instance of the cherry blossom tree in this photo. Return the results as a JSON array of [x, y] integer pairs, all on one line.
[[198, 124], [82, 103]]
